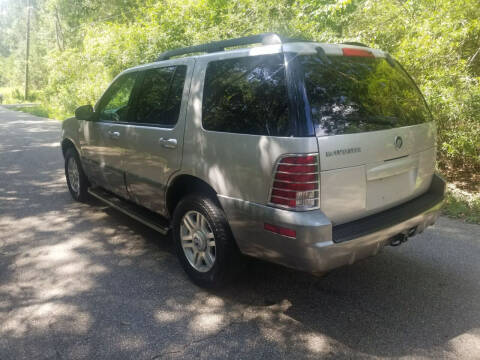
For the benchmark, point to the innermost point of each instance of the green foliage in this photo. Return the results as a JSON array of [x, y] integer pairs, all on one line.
[[79, 46], [436, 41]]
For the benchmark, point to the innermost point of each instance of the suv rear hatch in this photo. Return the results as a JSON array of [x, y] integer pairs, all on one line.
[[375, 135]]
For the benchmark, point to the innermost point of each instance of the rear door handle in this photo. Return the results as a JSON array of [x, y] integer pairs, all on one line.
[[168, 143], [113, 134]]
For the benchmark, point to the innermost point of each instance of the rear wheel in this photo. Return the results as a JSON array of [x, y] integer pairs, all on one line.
[[204, 242], [76, 180]]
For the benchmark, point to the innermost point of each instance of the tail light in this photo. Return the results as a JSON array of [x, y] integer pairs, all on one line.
[[295, 182]]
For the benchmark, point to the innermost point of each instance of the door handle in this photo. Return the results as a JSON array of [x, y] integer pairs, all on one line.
[[168, 143], [113, 134]]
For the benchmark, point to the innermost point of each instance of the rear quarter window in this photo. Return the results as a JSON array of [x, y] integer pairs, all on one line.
[[246, 95]]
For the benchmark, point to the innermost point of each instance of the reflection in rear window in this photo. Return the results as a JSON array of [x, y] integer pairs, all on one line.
[[358, 94]]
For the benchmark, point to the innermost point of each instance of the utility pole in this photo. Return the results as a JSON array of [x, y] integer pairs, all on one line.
[[59, 32], [27, 54]]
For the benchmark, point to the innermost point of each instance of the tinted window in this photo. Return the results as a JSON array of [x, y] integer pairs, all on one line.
[[115, 105], [246, 95], [358, 94], [160, 96]]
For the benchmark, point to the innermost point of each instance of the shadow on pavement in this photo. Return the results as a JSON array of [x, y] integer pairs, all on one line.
[[84, 281]]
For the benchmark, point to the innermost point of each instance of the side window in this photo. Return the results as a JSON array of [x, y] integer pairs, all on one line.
[[116, 104], [247, 95], [160, 96]]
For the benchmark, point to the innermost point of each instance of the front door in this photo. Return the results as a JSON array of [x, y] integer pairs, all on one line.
[[154, 139], [104, 138]]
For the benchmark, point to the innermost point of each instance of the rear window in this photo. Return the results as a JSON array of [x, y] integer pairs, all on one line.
[[351, 94], [246, 95]]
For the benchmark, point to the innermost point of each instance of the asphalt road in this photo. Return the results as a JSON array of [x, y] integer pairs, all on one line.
[[81, 281]]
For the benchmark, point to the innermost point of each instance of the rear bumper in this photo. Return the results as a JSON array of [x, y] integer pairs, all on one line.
[[318, 245]]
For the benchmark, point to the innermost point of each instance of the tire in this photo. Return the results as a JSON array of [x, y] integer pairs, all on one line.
[[227, 258], [79, 188]]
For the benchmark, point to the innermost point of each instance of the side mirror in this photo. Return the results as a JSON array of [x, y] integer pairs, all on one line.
[[84, 112]]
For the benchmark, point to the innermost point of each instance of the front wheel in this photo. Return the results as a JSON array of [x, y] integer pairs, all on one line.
[[77, 181], [204, 242]]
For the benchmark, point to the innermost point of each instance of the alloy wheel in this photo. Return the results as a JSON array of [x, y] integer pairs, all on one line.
[[73, 174], [198, 241]]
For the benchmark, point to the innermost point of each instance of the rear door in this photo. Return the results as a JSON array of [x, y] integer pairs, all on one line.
[[375, 135], [154, 137]]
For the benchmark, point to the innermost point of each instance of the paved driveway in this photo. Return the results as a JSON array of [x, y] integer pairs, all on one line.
[[84, 281]]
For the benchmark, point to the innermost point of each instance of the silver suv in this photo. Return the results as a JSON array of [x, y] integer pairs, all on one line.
[[306, 154]]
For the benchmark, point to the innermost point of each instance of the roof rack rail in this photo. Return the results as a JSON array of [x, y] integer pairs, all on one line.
[[265, 39], [355, 43]]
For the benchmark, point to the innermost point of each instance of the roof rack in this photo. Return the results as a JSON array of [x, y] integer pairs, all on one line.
[[355, 43], [265, 39]]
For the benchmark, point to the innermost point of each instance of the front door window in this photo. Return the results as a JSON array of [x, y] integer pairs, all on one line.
[[115, 106]]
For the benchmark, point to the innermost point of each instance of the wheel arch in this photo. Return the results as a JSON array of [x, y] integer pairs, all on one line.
[[68, 143], [185, 184]]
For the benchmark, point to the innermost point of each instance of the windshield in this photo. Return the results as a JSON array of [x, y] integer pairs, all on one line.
[[351, 94]]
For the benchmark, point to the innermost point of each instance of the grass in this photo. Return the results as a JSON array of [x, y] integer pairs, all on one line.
[[462, 200], [462, 205], [36, 110], [13, 99], [11, 95]]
